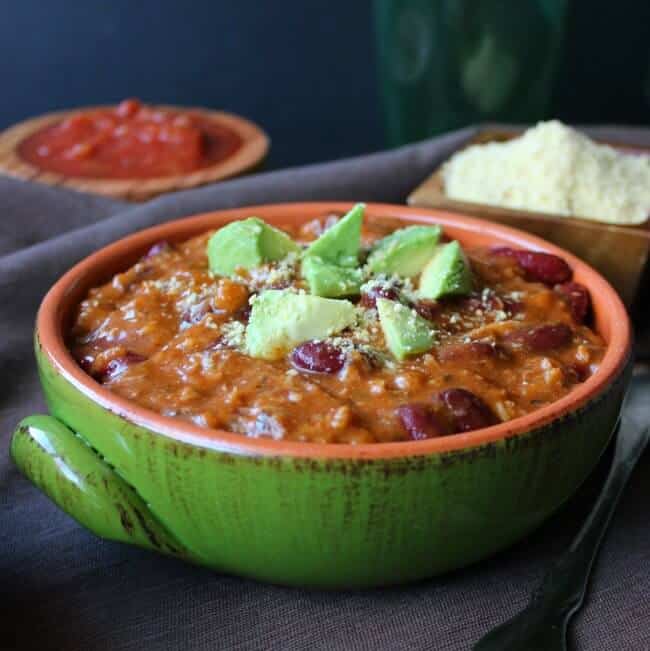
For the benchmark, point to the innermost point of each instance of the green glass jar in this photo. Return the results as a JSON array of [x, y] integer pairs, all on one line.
[[448, 63]]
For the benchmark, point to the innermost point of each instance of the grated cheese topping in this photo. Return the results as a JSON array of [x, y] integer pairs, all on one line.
[[554, 169]]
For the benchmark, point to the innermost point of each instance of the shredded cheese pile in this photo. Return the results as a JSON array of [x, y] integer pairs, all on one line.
[[554, 169]]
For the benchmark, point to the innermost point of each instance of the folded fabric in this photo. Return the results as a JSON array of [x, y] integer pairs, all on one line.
[[62, 588]]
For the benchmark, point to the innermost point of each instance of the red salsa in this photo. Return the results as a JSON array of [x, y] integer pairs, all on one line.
[[130, 141]]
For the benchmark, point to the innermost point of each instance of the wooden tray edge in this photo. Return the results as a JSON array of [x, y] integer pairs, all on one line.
[[430, 194]]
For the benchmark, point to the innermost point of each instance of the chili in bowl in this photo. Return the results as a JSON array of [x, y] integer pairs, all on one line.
[[326, 394]]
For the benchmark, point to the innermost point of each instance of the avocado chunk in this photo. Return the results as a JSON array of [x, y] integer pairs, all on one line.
[[247, 244], [339, 245], [405, 331], [404, 252], [282, 319], [447, 273], [330, 280]]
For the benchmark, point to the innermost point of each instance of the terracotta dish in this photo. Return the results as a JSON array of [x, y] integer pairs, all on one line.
[[131, 151], [328, 515]]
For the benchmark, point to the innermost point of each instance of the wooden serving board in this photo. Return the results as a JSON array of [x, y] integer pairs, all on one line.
[[620, 253], [254, 147]]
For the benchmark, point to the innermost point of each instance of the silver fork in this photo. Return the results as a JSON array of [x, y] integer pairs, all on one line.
[[542, 625]]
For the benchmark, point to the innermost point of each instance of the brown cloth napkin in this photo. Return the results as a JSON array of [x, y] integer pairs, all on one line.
[[63, 589]]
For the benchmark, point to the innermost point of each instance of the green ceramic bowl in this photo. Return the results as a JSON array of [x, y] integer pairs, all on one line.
[[300, 513]]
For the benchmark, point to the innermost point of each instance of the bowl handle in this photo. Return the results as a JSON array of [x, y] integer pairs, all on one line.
[[76, 478]]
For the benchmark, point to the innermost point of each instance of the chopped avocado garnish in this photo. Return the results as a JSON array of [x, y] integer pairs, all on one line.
[[447, 273], [247, 244], [405, 331], [404, 252], [325, 279], [339, 245], [282, 319]]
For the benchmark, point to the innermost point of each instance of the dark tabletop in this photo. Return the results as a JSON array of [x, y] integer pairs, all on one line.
[[61, 588]]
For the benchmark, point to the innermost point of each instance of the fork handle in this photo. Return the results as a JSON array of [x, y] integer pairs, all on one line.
[[541, 626], [563, 587]]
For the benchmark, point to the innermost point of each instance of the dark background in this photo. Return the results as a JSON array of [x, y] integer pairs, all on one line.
[[304, 70]]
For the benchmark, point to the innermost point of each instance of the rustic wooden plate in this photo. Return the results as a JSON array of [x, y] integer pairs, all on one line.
[[253, 150], [620, 253]]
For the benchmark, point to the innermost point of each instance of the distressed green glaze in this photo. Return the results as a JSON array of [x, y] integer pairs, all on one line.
[[301, 521], [75, 477]]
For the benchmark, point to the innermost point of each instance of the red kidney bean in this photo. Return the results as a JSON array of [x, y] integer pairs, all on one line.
[[491, 306], [578, 299], [543, 267], [578, 372], [492, 301], [542, 338], [369, 296], [86, 363], [317, 357], [468, 412], [470, 303], [420, 422], [118, 365], [426, 309], [511, 306], [243, 313], [468, 351]]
